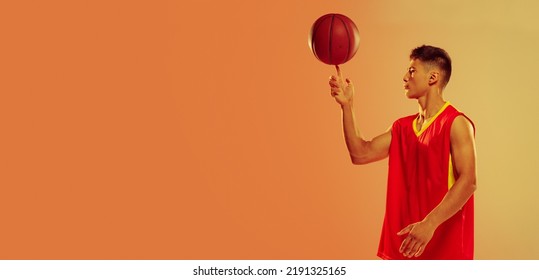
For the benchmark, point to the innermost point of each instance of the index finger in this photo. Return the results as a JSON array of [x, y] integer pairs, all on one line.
[[404, 245], [339, 73]]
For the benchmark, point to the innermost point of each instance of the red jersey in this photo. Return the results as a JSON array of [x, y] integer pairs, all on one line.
[[420, 174]]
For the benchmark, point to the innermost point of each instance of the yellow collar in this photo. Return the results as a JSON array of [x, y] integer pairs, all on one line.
[[426, 125]]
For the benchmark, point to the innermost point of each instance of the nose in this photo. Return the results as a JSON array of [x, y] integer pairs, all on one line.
[[406, 77]]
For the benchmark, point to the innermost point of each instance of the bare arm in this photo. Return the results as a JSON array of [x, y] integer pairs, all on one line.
[[463, 153], [361, 151]]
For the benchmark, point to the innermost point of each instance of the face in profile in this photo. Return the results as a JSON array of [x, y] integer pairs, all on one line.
[[416, 80]]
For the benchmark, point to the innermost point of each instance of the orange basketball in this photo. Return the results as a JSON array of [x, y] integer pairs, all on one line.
[[334, 39]]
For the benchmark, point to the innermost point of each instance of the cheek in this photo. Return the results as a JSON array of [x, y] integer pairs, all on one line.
[[417, 82]]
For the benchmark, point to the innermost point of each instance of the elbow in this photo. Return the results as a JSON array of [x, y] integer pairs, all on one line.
[[358, 160], [364, 153], [472, 185]]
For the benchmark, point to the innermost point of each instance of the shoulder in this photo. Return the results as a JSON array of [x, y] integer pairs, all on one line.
[[403, 124], [459, 120], [462, 129], [405, 120]]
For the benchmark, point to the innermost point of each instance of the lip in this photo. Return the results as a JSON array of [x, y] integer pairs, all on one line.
[[406, 87]]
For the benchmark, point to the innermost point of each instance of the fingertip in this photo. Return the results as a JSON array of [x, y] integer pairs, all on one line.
[[338, 70], [419, 252]]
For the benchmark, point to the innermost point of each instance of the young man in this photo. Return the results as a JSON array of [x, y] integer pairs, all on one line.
[[432, 166]]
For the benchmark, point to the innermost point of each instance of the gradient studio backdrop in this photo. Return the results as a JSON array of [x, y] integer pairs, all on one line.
[[205, 129]]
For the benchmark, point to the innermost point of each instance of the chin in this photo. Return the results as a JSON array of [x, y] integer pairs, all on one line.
[[409, 95]]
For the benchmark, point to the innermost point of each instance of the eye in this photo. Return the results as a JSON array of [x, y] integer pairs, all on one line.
[[411, 71]]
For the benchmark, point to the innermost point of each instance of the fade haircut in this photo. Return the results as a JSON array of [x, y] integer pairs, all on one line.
[[433, 56]]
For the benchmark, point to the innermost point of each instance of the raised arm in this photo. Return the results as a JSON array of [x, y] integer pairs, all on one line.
[[361, 151]]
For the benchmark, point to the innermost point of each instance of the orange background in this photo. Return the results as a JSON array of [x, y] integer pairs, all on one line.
[[205, 129]]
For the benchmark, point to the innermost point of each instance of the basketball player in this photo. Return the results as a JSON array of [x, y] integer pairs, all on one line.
[[432, 164]]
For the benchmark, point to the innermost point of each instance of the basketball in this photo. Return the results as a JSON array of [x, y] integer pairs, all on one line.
[[334, 39]]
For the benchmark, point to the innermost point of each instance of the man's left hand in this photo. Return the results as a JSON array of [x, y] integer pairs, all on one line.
[[418, 235]]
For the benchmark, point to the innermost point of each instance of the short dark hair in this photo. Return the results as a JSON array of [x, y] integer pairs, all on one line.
[[434, 56]]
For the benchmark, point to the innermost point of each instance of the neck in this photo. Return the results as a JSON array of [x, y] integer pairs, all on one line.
[[430, 103]]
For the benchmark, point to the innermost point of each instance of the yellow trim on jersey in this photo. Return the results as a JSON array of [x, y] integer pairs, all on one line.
[[450, 175], [425, 126]]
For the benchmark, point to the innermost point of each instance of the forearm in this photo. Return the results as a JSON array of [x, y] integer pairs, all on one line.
[[454, 200], [356, 145]]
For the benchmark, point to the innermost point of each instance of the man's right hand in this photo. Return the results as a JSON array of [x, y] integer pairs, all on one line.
[[341, 91]]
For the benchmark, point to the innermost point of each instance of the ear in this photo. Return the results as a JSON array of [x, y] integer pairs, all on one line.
[[434, 77]]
